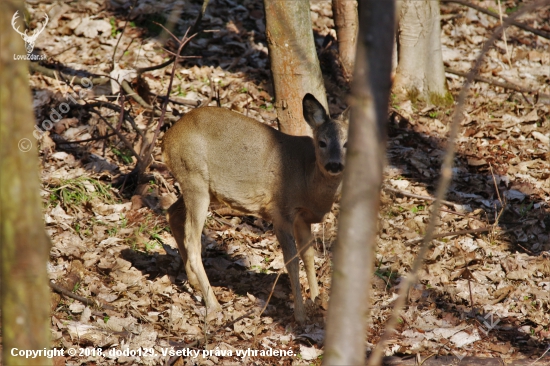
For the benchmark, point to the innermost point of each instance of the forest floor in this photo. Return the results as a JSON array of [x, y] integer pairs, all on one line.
[[483, 292]]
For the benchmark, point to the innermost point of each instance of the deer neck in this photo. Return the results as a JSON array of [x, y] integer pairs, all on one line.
[[322, 188]]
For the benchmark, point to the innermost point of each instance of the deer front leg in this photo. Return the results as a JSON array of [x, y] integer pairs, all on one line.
[[290, 254], [302, 233]]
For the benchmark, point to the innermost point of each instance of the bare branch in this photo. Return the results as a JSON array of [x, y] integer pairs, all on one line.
[[538, 32]]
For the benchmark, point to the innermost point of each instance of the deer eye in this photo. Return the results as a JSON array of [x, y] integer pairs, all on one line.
[[322, 144], [346, 145]]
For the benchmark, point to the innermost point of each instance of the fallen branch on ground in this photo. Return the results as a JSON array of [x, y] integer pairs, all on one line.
[[538, 32], [85, 301], [507, 85]]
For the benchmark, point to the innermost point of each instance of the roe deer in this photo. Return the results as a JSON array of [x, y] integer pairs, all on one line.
[[223, 156]]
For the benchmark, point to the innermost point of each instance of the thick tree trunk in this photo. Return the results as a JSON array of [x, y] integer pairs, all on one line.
[[420, 63], [294, 63], [25, 246], [344, 13], [354, 252]]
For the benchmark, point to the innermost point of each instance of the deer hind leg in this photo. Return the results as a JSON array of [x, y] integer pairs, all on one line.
[[176, 219], [302, 233], [196, 199], [283, 232]]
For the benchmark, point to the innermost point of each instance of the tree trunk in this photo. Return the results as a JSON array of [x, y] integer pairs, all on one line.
[[294, 63], [344, 13], [420, 63], [354, 252], [25, 246]]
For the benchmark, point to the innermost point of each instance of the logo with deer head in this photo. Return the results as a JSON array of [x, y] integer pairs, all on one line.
[[29, 39]]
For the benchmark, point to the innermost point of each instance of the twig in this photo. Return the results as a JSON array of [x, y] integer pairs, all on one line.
[[412, 195], [120, 136], [115, 130], [126, 49], [506, 85], [210, 96], [538, 359], [178, 100], [116, 108], [83, 300], [89, 140], [131, 92], [424, 360], [504, 35], [121, 114], [53, 74], [502, 203], [192, 30], [538, 32], [121, 34], [446, 175], [280, 271], [184, 41], [452, 233], [35, 67]]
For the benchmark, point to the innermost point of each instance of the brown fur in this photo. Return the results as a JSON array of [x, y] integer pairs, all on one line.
[[219, 155]]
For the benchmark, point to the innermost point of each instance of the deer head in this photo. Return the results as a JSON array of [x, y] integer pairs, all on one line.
[[29, 39]]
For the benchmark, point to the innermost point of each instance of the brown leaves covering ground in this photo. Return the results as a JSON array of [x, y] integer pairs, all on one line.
[[118, 250]]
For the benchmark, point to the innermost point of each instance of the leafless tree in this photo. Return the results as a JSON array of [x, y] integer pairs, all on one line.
[[354, 252], [420, 62], [25, 246], [294, 63]]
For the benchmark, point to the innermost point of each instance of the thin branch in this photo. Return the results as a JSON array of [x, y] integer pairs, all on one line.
[[507, 85], [179, 100], [120, 135], [89, 140], [412, 195], [453, 233], [184, 41], [132, 93], [115, 130], [122, 33], [99, 81], [85, 301], [192, 30], [504, 35], [538, 32], [116, 108], [35, 67]]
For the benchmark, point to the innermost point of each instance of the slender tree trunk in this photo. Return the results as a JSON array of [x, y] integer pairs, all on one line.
[[351, 287], [420, 62], [25, 246], [294, 63], [344, 13]]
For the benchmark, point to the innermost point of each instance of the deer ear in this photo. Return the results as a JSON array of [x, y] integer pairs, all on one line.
[[314, 112], [346, 115]]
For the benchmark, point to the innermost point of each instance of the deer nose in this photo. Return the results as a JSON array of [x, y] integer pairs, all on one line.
[[334, 168]]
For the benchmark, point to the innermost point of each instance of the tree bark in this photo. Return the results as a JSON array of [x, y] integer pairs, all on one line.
[[420, 62], [294, 63], [354, 252], [25, 246], [345, 16]]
